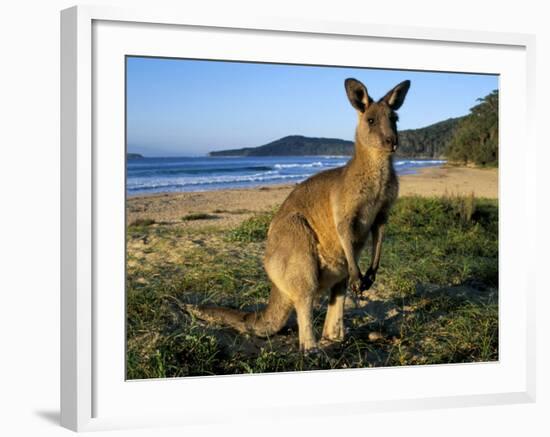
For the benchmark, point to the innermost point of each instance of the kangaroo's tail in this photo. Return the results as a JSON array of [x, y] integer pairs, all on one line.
[[263, 323]]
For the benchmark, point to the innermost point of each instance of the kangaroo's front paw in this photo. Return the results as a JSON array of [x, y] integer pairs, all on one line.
[[355, 285], [355, 281], [367, 280]]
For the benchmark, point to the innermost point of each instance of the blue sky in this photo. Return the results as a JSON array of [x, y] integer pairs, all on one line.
[[178, 107]]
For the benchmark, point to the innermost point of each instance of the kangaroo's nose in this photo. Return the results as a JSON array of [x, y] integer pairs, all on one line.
[[391, 140]]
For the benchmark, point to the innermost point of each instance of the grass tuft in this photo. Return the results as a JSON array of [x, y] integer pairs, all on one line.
[[198, 216], [142, 222], [462, 206], [252, 229]]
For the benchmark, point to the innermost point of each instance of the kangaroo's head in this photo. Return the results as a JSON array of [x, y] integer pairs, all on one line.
[[377, 126]]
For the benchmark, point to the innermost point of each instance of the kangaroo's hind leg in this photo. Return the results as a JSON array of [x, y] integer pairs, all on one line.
[[334, 322], [304, 314], [291, 264]]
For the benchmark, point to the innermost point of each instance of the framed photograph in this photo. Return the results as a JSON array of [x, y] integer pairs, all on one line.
[[265, 218]]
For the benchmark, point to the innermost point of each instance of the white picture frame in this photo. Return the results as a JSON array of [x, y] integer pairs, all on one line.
[[94, 394]]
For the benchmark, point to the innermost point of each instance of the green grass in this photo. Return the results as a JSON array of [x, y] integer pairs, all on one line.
[[252, 229], [435, 299]]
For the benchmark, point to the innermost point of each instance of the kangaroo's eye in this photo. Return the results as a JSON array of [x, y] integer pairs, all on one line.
[[370, 120]]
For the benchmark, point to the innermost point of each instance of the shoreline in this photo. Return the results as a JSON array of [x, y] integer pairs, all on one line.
[[228, 207]]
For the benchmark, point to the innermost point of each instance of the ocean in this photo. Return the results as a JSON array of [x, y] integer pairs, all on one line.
[[159, 175]]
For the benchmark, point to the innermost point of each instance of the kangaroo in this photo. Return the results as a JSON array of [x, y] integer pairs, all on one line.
[[315, 239]]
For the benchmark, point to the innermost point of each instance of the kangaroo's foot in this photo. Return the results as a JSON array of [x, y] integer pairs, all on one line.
[[312, 351], [334, 333], [333, 329], [308, 347]]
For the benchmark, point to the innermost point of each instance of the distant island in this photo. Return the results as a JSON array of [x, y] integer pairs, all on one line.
[[293, 145], [134, 156], [427, 142]]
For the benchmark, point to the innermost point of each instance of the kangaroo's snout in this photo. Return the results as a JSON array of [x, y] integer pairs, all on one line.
[[391, 141]]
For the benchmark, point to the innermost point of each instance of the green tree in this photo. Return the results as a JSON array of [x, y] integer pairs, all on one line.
[[476, 138]]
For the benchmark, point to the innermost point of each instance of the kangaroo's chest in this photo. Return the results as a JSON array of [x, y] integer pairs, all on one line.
[[375, 198], [365, 217]]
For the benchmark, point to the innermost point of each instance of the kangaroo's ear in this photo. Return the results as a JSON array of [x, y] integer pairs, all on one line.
[[395, 97], [357, 94]]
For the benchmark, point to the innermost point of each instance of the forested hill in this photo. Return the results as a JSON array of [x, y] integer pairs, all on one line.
[[426, 142], [476, 137]]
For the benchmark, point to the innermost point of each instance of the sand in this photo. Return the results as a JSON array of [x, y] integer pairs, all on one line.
[[439, 181], [227, 208]]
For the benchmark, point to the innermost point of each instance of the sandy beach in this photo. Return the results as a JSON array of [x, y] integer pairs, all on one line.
[[227, 208]]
